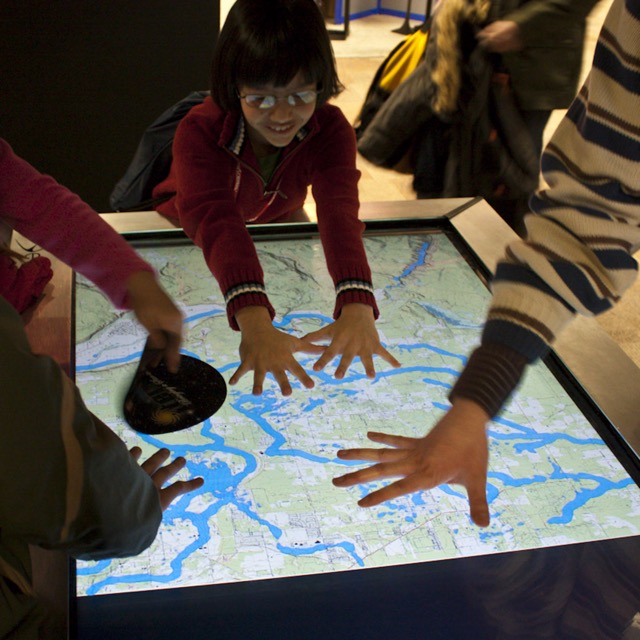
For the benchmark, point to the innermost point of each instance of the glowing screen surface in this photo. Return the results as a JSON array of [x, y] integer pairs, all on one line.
[[268, 508]]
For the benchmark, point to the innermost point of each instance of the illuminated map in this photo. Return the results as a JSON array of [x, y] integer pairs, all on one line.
[[268, 508]]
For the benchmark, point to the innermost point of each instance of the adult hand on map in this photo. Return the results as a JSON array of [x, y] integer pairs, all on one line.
[[264, 349], [353, 334], [157, 313], [160, 474], [455, 451]]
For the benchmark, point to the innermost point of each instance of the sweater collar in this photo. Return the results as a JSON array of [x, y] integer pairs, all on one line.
[[234, 133]]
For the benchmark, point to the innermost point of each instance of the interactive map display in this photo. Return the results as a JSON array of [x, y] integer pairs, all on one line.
[[267, 508]]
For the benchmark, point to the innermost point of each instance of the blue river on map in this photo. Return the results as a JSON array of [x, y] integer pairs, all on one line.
[[224, 485]]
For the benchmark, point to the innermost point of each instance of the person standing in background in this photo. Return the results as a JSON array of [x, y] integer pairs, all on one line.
[[541, 45], [469, 119]]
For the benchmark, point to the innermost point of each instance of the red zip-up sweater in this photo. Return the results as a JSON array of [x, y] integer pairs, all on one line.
[[216, 189]]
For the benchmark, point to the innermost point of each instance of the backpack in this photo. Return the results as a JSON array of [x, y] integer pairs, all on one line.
[[395, 68], [152, 160]]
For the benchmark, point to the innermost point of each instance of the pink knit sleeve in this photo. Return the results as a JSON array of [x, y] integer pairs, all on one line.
[[57, 220]]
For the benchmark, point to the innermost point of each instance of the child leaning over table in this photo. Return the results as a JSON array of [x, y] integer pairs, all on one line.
[[248, 154]]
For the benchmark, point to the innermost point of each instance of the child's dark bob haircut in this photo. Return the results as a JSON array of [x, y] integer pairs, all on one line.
[[268, 42]]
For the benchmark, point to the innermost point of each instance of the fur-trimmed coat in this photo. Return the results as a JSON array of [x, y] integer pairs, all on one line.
[[544, 75]]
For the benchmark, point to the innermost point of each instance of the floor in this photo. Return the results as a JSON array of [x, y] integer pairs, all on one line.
[[359, 56]]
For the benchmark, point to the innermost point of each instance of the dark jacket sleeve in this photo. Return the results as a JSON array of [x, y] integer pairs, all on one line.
[[545, 74], [68, 482]]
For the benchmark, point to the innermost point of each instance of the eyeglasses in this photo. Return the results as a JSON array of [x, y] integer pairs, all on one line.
[[298, 99]]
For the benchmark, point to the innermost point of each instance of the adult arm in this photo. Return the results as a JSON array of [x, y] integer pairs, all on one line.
[[538, 23], [578, 258], [541, 43], [538, 20]]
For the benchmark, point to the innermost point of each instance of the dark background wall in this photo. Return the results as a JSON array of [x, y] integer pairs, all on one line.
[[80, 80]]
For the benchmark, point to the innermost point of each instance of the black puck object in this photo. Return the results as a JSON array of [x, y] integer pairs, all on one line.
[[159, 401]]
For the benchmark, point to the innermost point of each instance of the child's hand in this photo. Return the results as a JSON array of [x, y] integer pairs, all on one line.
[[352, 334], [157, 313], [161, 473], [264, 349]]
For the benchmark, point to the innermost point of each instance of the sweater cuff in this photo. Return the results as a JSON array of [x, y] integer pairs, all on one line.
[[358, 291], [246, 295], [491, 375]]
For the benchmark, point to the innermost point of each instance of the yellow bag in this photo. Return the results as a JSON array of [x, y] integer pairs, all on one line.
[[404, 60], [397, 66]]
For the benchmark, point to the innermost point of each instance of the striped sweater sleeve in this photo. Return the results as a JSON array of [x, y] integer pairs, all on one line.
[[585, 227]]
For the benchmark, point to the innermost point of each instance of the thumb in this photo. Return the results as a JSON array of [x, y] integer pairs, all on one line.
[[320, 334]]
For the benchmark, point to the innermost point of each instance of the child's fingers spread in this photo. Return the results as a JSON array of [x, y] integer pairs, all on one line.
[[239, 372], [164, 474], [385, 355], [345, 363], [299, 345], [298, 371], [316, 336], [323, 360], [367, 363], [258, 380], [305, 346], [283, 383], [152, 464], [256, 390]]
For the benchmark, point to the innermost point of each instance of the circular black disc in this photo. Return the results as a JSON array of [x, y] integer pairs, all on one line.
[[159, 401]]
